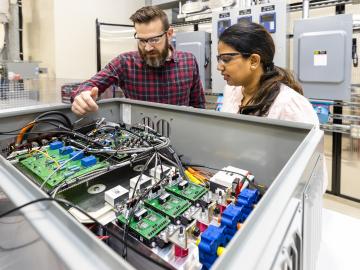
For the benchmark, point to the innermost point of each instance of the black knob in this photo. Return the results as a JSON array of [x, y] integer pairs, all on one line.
[[196, 232], [160, 242]]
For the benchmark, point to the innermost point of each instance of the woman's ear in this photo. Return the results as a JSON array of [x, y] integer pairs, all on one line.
[[255, 61]]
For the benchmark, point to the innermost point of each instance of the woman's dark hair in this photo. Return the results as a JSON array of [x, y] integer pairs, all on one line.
[[252, 38]]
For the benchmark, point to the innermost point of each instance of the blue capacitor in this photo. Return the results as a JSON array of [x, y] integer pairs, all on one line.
[[76, 155], [88, 161], [56, 145], [65, 150]]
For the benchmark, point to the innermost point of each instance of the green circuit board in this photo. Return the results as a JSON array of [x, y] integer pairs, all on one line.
[[43, 164], [168, 205], [148, 226], [187, 190]]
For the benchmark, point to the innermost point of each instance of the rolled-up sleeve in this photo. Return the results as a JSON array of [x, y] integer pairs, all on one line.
[[106, 77]]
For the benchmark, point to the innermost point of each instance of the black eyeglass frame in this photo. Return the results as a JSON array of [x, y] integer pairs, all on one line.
[[146, 40], [218, 57]]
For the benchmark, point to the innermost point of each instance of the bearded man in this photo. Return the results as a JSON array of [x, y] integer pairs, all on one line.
[[154, 73]]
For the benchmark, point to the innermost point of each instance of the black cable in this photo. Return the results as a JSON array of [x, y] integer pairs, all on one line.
[[141, 174], [39, 132], [64, 116], [132, 212], [135, 249], [52, 119], [161, 168], [180, 165], [22, 206], [20, 246], [127, 224], [48, 120], [117, 149], [10, 131]]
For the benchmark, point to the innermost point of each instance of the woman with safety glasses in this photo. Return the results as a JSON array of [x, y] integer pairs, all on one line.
[[255, 85]]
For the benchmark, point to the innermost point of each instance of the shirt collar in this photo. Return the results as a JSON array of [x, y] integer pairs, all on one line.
[[174, 57]]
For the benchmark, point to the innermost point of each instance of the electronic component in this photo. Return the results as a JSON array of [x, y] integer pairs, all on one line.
[[157, 172], [183, 184], [146, 224], [187, 190], [169, 205], [65, 150], [247, 198], [227, 176], [230, 219], [211, 240], [76, 155], [214, 239], [179, 251], [88, 161], [116, 195], [139, 215], [145, 181], [56, 145], [50, 163]]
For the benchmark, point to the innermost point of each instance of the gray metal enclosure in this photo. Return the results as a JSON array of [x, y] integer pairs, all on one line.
[[282, 230]]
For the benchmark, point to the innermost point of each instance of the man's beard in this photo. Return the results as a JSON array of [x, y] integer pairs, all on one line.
[[155, 60]]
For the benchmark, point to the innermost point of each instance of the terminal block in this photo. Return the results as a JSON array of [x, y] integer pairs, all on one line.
[[211, 241], [247, 198]]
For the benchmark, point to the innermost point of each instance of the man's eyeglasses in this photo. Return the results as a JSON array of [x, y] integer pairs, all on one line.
[[152, 41], [226, 58]]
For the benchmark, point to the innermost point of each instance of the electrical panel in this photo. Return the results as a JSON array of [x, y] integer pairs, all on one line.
[[197, 43], [322, 56]]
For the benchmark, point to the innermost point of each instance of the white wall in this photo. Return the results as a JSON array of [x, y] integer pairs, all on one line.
[[38, 34], [74, 27], [61, 33]]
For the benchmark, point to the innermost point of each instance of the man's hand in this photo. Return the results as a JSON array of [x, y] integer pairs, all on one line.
[[85, 102]]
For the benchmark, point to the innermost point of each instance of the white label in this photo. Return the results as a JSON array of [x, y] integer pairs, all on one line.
[[126, 113], [272, 25], [320, 58]]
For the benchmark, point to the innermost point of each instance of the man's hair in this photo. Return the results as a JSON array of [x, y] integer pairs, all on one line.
[[148, 14]]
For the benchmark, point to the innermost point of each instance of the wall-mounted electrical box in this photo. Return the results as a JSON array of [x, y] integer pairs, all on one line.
[[322, 56], [198, 43]]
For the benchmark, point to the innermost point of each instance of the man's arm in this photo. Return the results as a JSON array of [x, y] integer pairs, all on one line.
[[197, 96], [84, 98]]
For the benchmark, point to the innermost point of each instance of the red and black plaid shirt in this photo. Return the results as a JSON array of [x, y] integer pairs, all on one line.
[[177, 82]]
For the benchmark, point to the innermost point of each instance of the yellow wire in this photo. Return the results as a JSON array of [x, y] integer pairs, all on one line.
[[47, 156], [193, 178]]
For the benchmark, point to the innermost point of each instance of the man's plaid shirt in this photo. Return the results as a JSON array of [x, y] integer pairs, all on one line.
[[177, 82]]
